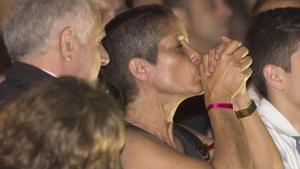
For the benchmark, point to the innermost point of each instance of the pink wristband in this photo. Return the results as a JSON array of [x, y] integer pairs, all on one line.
[[219, 105]]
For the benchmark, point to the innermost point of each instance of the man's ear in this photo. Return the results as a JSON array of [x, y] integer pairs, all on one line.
[[66, 43], [139, 68], [182, 15], [275, 76]]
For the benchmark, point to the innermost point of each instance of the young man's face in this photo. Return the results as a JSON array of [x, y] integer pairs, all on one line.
[[292, 81]]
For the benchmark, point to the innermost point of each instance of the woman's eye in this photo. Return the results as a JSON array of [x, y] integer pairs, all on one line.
[[179, 45]]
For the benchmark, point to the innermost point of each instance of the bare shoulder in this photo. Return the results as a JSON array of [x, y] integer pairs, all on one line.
[[143, 151]]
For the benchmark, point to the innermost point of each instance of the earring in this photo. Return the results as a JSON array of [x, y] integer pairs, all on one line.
[[68, 59]]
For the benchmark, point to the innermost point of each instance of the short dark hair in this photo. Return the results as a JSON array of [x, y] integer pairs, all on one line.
[[133, 34], [61, 123], [272, 38]]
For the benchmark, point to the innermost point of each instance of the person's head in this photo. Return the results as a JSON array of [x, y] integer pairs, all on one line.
[[5, 6], [265, 5], [273, 41], [110, 8], [64, 124], [206, 20], [62, 36], [136, 3], [4, 58], [149, 50]]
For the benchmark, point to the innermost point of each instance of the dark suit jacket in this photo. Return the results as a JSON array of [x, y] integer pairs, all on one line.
[[17, 78], [4, 58]]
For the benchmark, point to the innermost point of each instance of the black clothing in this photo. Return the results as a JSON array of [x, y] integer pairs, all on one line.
[[192, 112], [18, 77], [4, 58], [191, 144]]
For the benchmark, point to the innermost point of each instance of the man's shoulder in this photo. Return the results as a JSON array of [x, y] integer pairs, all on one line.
[[21, 75], [17, 78]]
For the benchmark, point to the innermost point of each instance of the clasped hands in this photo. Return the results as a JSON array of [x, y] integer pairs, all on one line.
[[224, 73]]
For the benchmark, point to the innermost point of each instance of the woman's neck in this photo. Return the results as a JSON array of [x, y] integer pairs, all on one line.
[[154, 114]]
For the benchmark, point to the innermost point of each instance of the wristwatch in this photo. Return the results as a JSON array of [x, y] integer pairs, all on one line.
[[246, 112]]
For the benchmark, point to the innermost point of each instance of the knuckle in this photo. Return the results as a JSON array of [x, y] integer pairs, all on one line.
[[236, 42], [250, 60], [246, 50]]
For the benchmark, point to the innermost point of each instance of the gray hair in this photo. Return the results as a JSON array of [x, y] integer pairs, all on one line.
[[30, 25]]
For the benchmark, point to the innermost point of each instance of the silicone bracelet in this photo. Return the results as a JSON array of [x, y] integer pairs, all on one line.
[[220, 105]]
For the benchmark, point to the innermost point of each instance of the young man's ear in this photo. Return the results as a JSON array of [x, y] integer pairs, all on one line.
[[139, 68], [66, 43], [275, 76]]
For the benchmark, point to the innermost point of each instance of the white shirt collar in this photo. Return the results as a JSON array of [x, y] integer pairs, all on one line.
[[50, 73], [278, 121]]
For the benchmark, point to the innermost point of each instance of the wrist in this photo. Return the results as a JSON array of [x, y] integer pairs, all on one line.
[[247, 111], [219, 105], [241, 102], [217, 98]]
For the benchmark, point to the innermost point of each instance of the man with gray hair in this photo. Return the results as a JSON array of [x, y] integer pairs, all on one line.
[[47, 39]]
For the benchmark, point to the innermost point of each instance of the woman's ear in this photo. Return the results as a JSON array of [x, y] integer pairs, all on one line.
[[66, 43], [275, 76], [139, 68]]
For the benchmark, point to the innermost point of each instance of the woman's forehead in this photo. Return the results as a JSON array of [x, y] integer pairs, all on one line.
[[174, 28]]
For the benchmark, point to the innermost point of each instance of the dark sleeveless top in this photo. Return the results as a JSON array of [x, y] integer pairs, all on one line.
[[191, 144]]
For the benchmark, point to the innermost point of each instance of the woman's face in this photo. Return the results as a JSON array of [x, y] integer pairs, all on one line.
[[176, 71]]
